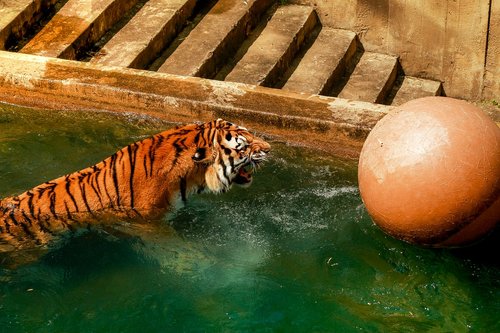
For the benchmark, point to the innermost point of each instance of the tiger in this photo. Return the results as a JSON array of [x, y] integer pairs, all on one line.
[[144, 180]]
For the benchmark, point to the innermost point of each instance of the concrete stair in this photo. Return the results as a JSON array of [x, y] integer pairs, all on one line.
[[257, 42], [204, 50], [270, 55], [414, 87], [77, 25], [16, 16], [372, 78], [324, 62], [140, 41]]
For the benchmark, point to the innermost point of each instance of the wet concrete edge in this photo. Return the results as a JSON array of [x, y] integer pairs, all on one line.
[[330, 124]]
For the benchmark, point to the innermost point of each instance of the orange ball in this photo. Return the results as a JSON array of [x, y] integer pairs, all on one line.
[[429, 172]]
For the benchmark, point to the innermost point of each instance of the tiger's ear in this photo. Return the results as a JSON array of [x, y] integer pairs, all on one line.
[[203, 155]]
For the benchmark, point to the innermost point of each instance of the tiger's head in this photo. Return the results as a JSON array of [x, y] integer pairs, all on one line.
[[230, 153]]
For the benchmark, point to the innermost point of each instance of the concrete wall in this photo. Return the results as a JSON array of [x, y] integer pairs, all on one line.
[[492, 73], [443, 40]]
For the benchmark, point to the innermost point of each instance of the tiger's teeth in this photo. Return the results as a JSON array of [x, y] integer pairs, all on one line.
[[247, 169]]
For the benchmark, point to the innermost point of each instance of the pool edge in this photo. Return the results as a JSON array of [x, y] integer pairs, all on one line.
[[335, 125]]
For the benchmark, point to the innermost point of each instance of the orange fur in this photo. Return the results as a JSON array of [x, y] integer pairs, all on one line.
[[142, 180]]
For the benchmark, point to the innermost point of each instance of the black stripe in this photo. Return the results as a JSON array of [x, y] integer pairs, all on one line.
[[145, 165], [132, 149], [26, 217], [197, 137], [44, 228], [44, 187], [40, 190], [70, 217], [138, 214], [66, 225], [224, 167], [31, 207], [179, 146], [11, 216], [68, 184], [183, 188], [182, 131], [106, 188], [151, 152], [27, 231], [120, 152], [115, 179], [205, 138], [93, 179], [236, 166], [161, 138], [211, 135], [7, 226], [84, 197], [52, 197]]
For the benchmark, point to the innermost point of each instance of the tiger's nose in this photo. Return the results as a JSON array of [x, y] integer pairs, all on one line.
[[265, 148], [260, 149]]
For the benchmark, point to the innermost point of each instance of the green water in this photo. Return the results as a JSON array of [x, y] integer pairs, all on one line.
[[295, 252]]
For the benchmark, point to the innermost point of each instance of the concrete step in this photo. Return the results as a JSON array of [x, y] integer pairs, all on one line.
[[413, 87], [273, 51], [142, 39], [257, 42], [372, 79], [215, 38], [324, 62], [16, 16], [78, 24]]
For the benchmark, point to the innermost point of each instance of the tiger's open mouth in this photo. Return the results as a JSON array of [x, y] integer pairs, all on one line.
[[244, 176], [245, 173]]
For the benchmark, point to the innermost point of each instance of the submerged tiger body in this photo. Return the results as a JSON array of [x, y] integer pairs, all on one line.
[[142, 180]]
